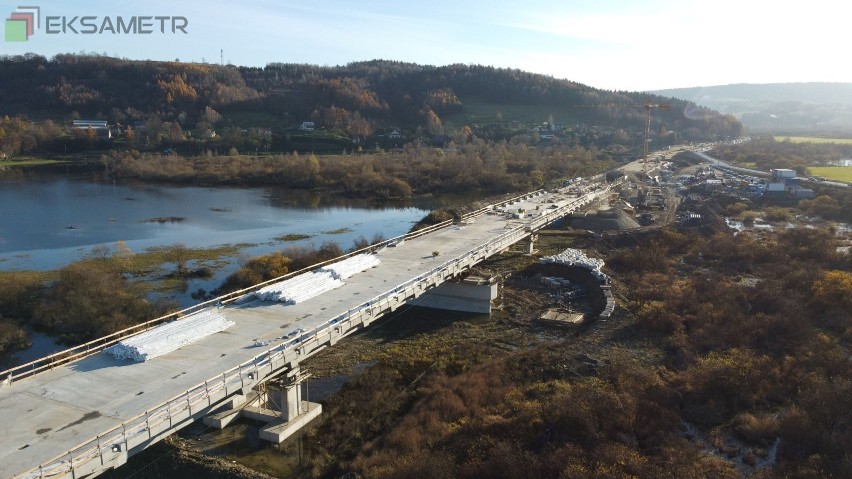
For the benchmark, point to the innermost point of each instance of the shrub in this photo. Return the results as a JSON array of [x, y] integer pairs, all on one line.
[[737, 208], [12, 338], [90, 299], [256, 270], [760, 429], [776, 214]]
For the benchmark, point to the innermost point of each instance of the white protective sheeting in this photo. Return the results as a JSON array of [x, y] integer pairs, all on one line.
[[352, 265], [170, 336], [575, 257], [299, 288], [306, 286]]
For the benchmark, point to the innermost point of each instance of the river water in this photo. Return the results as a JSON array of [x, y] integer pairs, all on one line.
[[49, 220]]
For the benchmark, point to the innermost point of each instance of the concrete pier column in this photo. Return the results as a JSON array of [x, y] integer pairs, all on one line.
[[531, 244], [289, 398], [290, 412]]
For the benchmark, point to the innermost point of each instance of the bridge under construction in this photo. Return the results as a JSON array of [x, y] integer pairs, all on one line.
[[81, 412]]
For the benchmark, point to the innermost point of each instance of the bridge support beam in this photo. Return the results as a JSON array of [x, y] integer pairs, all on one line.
[[471, 295]]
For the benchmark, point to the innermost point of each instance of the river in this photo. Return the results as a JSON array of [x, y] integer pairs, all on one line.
[[49, 220]]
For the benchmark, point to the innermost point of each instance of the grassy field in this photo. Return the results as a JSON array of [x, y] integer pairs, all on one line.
[[292, 237], [150, 260], [835, 173], [813, 139], [28, 162]]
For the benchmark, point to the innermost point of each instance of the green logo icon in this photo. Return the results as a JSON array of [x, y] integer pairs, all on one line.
[[22, 23], [16, 31]]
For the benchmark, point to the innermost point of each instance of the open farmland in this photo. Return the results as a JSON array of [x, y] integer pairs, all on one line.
[[814, 139], [835, 173]]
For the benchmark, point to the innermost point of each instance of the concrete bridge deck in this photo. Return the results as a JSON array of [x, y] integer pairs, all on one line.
[[86, 416]]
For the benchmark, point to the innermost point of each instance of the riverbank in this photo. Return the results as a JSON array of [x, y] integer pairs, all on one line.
[[493, 168], [29, 162]]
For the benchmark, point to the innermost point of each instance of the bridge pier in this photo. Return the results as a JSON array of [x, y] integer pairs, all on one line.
[[530, 246], [279, 404], [287, 396]]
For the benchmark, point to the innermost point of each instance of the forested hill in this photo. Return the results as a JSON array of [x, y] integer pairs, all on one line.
[[358, 100], [816, 107]]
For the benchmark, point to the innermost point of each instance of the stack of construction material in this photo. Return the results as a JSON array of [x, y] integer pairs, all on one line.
[[170, 336], [575, 257], [351, 266], [299, 288]]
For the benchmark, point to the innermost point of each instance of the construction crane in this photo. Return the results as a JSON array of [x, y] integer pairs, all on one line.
[[648, 106]]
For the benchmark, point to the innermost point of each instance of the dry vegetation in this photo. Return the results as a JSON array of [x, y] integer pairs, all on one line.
[[471, 164], [86, 300], [732, 361], [98, 295]]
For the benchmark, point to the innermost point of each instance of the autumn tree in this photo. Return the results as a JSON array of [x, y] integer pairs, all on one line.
[[12, 337], [256, 270], [433, 123]]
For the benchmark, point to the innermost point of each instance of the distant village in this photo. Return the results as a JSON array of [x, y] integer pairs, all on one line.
[[308, 135]]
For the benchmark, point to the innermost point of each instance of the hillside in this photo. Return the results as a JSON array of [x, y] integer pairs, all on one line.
[[778, 107], [192, 107]]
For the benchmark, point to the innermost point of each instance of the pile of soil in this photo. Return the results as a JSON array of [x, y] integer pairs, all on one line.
[[609, 219]]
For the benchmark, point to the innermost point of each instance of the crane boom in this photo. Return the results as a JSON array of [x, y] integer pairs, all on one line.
[[648, 106]]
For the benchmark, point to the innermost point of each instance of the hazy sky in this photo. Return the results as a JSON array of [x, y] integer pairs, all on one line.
[[609, 44]]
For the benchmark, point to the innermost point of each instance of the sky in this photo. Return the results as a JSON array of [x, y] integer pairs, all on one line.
[[635, 45]]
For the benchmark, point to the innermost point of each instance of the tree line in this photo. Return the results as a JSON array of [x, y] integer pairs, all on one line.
[[418, 168], [178, 104]]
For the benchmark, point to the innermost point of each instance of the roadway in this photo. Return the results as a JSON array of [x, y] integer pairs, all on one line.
[[765, 174], [53, 412]]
